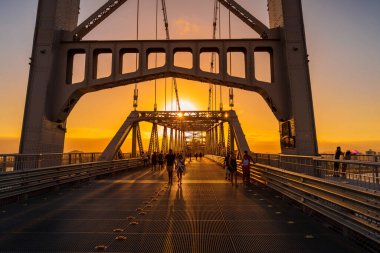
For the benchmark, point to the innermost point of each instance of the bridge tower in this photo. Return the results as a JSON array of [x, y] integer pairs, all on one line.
[[51, 94], [39, 133], [298, 134]]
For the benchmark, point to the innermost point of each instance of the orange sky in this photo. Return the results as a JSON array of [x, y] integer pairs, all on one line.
[[344, 74]]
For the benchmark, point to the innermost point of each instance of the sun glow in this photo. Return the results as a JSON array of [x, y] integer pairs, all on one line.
[[185, 106]]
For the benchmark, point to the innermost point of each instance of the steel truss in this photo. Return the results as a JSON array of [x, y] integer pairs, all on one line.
[[202, 125]]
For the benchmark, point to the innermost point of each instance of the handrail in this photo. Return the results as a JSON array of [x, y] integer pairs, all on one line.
[[14, 162], [18, 183], [355, 208]]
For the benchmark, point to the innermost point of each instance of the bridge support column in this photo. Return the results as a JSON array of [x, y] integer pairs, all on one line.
[[39, 134], [171, 139], [298, 134], [222, 144], [231, 140], [216, 140], [164, 147], [134, 141]]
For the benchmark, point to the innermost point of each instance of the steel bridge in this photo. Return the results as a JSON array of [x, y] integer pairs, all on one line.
[[296, 201]]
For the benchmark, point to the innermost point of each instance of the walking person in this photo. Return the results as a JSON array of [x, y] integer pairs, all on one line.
[[246, 166], [337, 155], [154, 161], [226, 165], [347, 156], [233, 169], [144, 157], [170, 158], [180, 168], [160, 161]]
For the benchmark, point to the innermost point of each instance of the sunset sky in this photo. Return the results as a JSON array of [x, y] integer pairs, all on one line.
[[343, 40]]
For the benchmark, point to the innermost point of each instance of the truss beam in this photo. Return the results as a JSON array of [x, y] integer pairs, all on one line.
[[247, 18], [96, 18]]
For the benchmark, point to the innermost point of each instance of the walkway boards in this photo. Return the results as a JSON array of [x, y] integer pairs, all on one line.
[[206, 214]]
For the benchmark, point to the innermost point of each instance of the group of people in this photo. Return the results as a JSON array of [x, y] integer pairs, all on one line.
[[173, 161], [196, 155], [230, 164], [346, 156]]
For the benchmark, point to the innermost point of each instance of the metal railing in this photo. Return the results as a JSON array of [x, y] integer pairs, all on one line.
[[354, 208], [355, 157], [15, 162], [363, 174], [21, 182]]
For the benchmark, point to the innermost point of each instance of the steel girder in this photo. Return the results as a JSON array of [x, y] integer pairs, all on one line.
[[66, 95]]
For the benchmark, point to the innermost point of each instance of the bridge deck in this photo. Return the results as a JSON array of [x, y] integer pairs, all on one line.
[[206, 214]]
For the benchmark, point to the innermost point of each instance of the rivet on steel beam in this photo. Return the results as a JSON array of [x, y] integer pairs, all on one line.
[[118, 230], [148, 206], [133, 223], [142, 213], [131, 217]]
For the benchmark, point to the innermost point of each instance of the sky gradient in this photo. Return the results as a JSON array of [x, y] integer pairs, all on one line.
[[344, 51]]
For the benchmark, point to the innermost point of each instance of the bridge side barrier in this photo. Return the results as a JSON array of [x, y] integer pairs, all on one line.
[[13, 162], [365, 174], [354, 208], [19, 183]]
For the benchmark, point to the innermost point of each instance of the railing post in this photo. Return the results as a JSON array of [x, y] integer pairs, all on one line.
[[39, 161], [4, 163]]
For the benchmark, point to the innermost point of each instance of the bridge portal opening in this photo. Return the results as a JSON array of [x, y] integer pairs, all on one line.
[[129, 60], [156, 58], [102, 67], [263, 67], [183, 59], [209, 60], [236, 62], [76, 66]]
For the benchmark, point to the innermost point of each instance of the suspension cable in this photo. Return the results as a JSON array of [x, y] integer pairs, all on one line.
[[166, 22], [136, 91], [220, 37], [231, 90], [155, 80], [213, 56]]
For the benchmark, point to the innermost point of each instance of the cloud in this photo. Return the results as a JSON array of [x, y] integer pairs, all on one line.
[[185, 27]]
